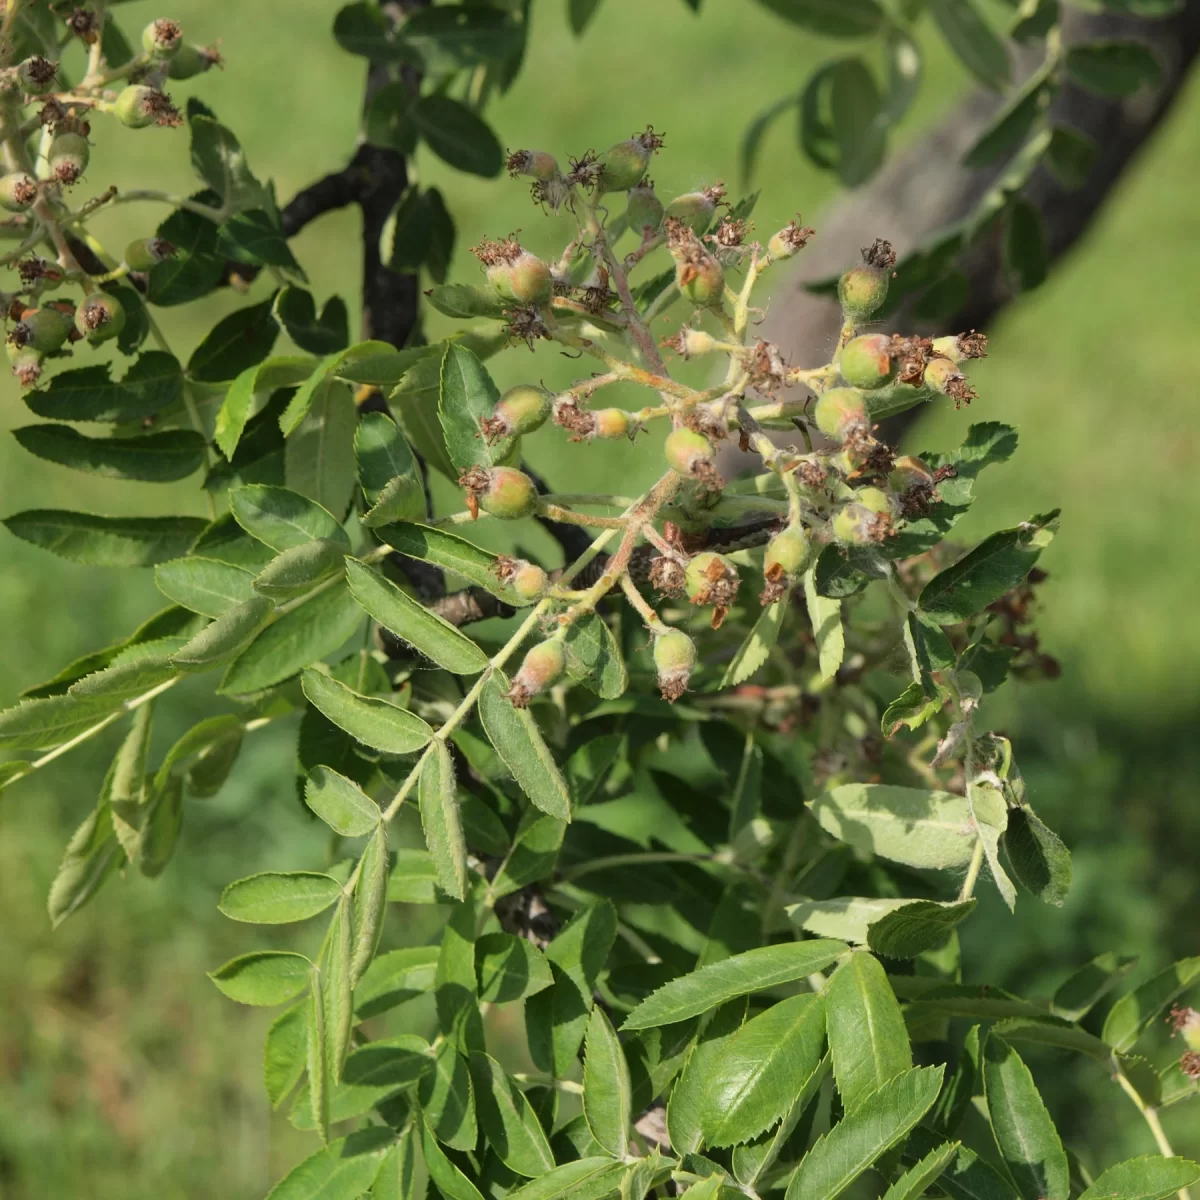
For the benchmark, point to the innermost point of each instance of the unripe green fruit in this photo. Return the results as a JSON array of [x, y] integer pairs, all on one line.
[[68, 157], [137, 106], [685, 450], [644, 210], [100, 317], [853, 525], [162, 39], [867, 362], [875, 500], [42, 329], [862, 290], [623, 166], [694, 209], [702, 282], [941, 372], [704, 575], [535, 163], [146, 253], [526, 279], [18, 191], [26, 364], [674, 658], [36, 75], [788, 553], [189, 61], [610, 423], [908, 472], [529, 582], [523, 408], [839, 410], [539, 669], [509, 494]]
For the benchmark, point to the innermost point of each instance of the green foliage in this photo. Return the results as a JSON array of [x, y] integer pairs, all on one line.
[[641, 879]]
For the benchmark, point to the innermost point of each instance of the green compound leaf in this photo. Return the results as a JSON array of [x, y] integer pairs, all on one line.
[[97, 541], [153, 384], [1147, 1178], [155, 458], [451, 553], [761, 1067], [508, 1120], [1079, 993], [234, 630], [515, 735], [855, 1142], [204, 585], [449, 1180], [915, 926], [263, 977], [867, 1038], [713, 985], [283, 519], [919, 828], [509, 968], [756, 649], [237, 342], [1040, 859], [833, 18], [376, 723], [285, 1052], [438, 798], [319, 455], [279, 897], [1025, 1134], [343, 1170], [593, 657], [1133, 1013], [467, 397], [395, 977], [426, 632], [340, 803], [584, 1179], [299, 570], [457, 136], [607, 1097], [387, 472], [448, 1099], [918, 1178], [971, 38], [825, 614], [1113, 68]]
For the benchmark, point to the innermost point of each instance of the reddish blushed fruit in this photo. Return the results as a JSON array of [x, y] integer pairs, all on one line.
[[866, 361], [862, 290], [521, 410], [674, 658], [529, 582], [100, 317], [610, 423], [540, 668], [502, 492], [18, 191], [840, 410], [687, 451], [42, 329], [525, 279]]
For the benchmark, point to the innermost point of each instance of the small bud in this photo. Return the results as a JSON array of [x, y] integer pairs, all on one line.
[[839, 411], [863, 289], [42, 329], [542, 665], [18, 191], [68, 157], [623, 165], [674, 658], [959, 347], [644, 210], [696, 209], [37, 75], [138, 106], [521, 410], [26, 364], [866, 361], [189, 61], [909, 472], [162, 39], [711, 579], [944, 376], [787, 556], [610, 423], [526, 579], [790, 240], [501, 492], [146, 253], [100, 317], [688, 452]]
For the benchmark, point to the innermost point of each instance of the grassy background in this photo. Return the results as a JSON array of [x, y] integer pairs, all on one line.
[[121, 1072]]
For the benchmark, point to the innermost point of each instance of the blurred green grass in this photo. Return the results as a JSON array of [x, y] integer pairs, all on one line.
[[122, 1073]]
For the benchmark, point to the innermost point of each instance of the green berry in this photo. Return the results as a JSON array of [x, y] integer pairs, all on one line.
[[867, 520], [522, 409], [944, 376], [501, 492], [862, 290], [18, 191], [909, 472], [790, 240], [674, 658], [644, 210], [694, 209], [788, 553], [146, 253], [162, 39], [42, 329], [536, 163], [701, 280], [959, 347], [68, 157], [189, 61], [711, 579], [687, 451], [622, 166], [524, 279], [100, 317], [26, 364], [138, 106], [37, 74], [866, 361], [610, 423], [529, 582], [876, 500], [839, 410], [540, 668]]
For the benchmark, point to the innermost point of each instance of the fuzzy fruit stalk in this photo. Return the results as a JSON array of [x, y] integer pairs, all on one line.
[[100, 318], [502, 492], [787, 555], [839, 411], [867, 362], [862, 290], [712, 580], [521, 410], [674, 658], [623, 165], [540, 668]]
